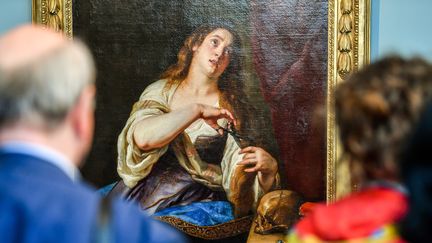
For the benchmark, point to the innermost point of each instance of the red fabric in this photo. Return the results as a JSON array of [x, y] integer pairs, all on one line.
[[355, 216], [289, 43]]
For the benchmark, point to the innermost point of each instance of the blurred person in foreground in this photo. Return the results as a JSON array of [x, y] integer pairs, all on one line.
[[376, 111], [416, 174], [46, 128]]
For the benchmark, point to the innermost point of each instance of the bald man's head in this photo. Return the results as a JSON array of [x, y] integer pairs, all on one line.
[[42, 75], [27, 44]]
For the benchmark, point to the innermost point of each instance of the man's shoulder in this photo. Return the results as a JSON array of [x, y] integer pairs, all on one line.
[[36, 208], [46, 199], [32, 182]]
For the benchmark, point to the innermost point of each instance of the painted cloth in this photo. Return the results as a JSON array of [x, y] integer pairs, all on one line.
[[134, 164], [201, 213]]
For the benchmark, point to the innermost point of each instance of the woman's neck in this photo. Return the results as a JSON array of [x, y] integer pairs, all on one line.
[[199, 84]]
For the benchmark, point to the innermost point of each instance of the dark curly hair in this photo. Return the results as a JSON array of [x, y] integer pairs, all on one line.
[[376, 110]]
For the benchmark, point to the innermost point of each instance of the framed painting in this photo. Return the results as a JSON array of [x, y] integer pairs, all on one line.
[[295, 52]]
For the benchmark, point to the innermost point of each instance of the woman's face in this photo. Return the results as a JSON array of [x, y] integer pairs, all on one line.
[[213, 55]]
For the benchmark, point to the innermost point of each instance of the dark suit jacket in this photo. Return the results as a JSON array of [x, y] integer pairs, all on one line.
[[40, 203]]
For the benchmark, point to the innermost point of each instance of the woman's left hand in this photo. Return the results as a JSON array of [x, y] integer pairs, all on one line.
[[259, 160]]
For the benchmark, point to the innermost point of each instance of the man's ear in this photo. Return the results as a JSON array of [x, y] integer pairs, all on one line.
[[82, 115]]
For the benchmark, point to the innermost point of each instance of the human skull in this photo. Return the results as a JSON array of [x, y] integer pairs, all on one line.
[[277, 211]]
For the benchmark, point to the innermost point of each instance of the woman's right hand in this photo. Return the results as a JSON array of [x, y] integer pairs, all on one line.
[[211, 114]]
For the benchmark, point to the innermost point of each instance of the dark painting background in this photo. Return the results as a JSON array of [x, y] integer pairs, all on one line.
[[286, 48]]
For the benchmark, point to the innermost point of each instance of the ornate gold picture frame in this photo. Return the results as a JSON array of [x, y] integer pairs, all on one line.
[[55, 14], [348, 50]]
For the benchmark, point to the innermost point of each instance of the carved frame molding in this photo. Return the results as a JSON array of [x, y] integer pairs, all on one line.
[[348, 50], [56, 14]]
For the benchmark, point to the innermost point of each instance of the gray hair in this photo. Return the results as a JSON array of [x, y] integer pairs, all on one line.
[[43, 91]]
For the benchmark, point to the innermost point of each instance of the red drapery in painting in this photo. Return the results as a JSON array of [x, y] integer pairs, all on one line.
[[289, 42]]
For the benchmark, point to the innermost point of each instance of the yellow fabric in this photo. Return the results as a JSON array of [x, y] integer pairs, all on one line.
[[134, 164]]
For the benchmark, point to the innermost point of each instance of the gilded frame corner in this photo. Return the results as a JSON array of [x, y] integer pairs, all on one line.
[[348, 50], [55, 14]]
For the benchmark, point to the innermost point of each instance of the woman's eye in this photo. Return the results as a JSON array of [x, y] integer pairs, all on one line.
[[214, 42]]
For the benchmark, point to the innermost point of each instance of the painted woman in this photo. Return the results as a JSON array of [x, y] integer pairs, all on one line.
[[180, 144]]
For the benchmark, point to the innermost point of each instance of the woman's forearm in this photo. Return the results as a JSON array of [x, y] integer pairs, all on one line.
[[158, 131]]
